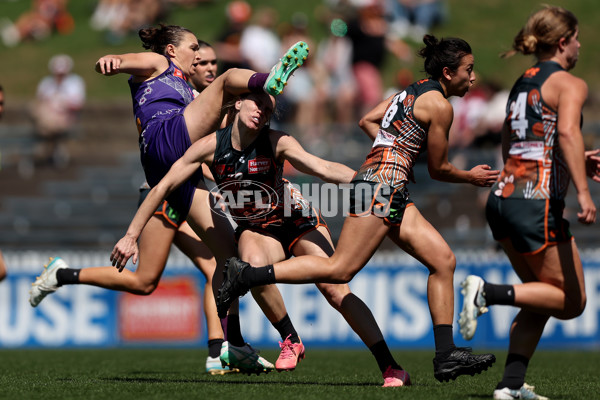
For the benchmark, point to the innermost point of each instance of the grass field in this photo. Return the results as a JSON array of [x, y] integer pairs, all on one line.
[[338, 374]]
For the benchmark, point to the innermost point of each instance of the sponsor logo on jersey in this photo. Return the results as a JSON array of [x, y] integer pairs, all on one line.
[[384, 139], [259, 165], [178, 73], [531, 72]]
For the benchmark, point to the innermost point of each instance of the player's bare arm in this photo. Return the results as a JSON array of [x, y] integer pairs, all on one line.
[[288, 148], [141, 65], [371, 121]]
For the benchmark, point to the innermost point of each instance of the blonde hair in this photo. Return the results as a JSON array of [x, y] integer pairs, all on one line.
[[543, 30]]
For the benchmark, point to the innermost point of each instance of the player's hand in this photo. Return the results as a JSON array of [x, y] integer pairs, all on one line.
[[123, 250], [587, 215], [108, 65], [592, 164], [483, 175]]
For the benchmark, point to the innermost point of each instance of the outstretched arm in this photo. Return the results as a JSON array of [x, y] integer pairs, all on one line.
[[180, 171], [144, 65], [288, 148]]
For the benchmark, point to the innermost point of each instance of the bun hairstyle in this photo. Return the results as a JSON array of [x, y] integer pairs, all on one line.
[[447, 52], [157, 39], [543, 30]]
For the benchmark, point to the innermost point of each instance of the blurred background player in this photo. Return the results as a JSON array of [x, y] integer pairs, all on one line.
[[543, 151]]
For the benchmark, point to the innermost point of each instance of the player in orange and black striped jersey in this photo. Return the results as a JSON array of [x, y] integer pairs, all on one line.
[[401, 127], [543, 150]]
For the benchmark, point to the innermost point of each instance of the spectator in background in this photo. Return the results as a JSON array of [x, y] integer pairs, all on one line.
[[298, 99], [228, 43], [468, 112], [44, 18], [260, 45], [59, 99], [414, 18], [122, 17], [478, 120], [338, 87], [370, 42]]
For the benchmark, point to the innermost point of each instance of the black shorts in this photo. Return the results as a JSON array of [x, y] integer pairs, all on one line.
[[289, 230], [381, 200], [531, 225], [164, 210]]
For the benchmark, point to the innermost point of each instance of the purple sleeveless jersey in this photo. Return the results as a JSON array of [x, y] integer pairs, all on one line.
[[158, 106]]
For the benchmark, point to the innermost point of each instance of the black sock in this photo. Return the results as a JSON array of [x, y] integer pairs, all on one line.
[[257, 82], [383, 356], [259, 276], [499, 294], [442, 335], [67, 276], [286, 328], [214, 347], [514, 372], [234, 333]]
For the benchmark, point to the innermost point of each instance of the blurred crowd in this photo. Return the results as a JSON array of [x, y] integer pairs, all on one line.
[[342, 79]]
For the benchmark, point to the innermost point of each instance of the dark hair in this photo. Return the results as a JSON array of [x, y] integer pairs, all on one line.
[[442, 53], [157, 39], [1, 88], [202, 44]]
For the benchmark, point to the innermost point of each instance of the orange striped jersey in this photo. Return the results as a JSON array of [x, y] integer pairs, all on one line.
[[535, 167], [400, 139]]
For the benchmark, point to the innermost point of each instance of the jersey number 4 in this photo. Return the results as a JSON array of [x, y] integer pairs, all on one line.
[[518, 119]]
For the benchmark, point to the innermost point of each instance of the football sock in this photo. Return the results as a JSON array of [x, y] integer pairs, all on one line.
[[234, 334], [257, 82], [286, 328], [499, 294], [214, 347], [224, 327], [383, 356], [442, 335], [259, 276], [514, 372], [67, 276]]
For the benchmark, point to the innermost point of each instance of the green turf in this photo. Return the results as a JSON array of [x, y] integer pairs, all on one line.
[[338, 374]]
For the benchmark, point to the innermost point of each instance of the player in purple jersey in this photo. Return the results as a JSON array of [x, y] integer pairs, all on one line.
[[380, 205], [165, 228], [543, 151]]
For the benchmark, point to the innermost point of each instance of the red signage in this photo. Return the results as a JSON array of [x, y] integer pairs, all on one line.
[[172, 313]]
